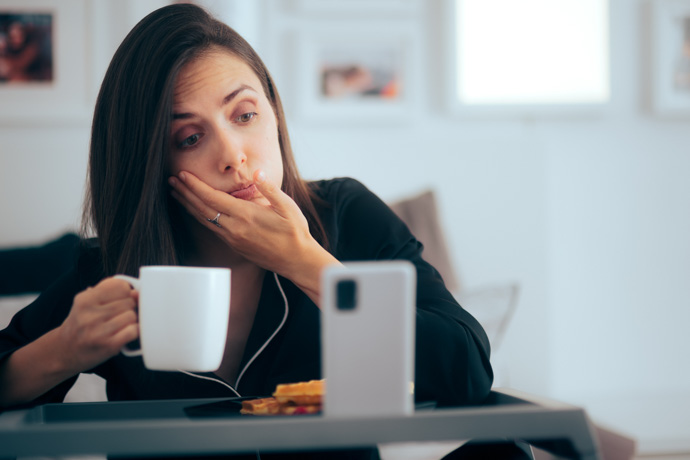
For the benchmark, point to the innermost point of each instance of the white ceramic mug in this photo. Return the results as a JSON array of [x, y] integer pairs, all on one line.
[[183, 317]]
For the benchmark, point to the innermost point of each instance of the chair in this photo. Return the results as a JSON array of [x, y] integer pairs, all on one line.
[[493, 306]]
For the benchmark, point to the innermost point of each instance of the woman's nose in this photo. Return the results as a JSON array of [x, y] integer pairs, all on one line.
[[231, 154], [232, 161]]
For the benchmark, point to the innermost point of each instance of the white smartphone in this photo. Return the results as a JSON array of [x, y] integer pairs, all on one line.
[[368, 334]]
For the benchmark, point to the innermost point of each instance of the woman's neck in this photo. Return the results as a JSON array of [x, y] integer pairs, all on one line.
[[206, 249]]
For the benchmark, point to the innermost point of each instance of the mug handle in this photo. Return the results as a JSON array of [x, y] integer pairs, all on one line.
[[136, 284]]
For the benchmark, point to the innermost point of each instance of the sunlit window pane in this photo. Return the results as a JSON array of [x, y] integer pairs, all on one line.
[[532, 51]]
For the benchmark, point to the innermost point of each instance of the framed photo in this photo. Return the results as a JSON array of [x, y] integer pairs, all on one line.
[[26, 47], [43, 61], [357, 74], [671, 57]]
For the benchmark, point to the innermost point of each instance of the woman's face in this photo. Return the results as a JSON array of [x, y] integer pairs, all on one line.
[[17, 35], [223, 126]]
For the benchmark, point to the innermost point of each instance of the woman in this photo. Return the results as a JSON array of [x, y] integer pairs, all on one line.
[[191, 164]]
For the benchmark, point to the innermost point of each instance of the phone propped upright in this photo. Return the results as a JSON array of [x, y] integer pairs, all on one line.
[[368, 335]]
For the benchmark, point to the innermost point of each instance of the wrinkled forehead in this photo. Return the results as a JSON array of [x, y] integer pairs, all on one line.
[[213, 68]]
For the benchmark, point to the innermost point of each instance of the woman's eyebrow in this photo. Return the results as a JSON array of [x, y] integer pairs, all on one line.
[[226, 100]]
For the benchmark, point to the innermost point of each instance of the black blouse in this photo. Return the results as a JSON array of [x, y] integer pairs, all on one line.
[[452, 351]]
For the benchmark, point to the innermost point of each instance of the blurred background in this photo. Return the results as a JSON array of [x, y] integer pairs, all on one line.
[[553, 133]]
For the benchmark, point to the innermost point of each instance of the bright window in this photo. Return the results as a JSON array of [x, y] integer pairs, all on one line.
[[531, 52]]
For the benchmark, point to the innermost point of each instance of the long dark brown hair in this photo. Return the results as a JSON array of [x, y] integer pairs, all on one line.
[[127, 203]]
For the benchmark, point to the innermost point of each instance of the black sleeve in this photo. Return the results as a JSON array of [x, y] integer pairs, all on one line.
[[44, 314], [452, 350], [32, 269]]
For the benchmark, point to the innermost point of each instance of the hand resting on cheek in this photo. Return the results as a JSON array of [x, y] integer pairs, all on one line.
[[271, 232]]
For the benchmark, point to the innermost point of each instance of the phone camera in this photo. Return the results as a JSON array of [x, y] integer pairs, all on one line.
[[346, 295]]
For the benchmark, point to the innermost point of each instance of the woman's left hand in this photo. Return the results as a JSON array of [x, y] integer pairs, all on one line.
[[273, 234]]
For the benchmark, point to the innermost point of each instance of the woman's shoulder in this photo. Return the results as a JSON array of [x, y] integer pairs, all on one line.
[[359, 224], [89, 263], [339, 189]]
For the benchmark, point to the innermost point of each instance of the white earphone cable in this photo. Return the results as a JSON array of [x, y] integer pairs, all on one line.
[[203, 377], [280, 326], [237, 382]]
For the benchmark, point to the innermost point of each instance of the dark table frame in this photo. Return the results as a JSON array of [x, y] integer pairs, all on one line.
[[145, 428]]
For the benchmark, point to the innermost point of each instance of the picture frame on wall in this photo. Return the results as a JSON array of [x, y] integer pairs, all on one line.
[[356, 75], [43, 61], [671, 57], [26, 47]]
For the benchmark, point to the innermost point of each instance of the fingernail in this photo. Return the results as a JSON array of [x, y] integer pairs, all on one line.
[[172, 181], [183, 177], [260, 177]]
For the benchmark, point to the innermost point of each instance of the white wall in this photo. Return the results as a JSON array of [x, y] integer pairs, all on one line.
[[42, 174], [589, 215], [619, 236], [43, 163]]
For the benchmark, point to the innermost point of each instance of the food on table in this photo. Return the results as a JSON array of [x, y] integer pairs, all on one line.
[[289, 399]]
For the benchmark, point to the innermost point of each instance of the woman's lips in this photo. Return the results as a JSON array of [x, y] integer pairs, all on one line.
[[245, 193]]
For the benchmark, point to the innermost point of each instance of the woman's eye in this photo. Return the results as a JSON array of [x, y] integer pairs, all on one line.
[[246, 117], [190, 141]]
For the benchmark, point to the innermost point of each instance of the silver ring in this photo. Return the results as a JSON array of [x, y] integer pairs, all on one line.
[[214, 221]]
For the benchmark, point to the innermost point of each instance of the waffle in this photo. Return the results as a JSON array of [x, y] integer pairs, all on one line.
[[288, 399], [300, 410], [300, 393], [262, 406]]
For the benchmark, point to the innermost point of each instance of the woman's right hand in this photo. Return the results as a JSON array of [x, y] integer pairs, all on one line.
[[102, 320]]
